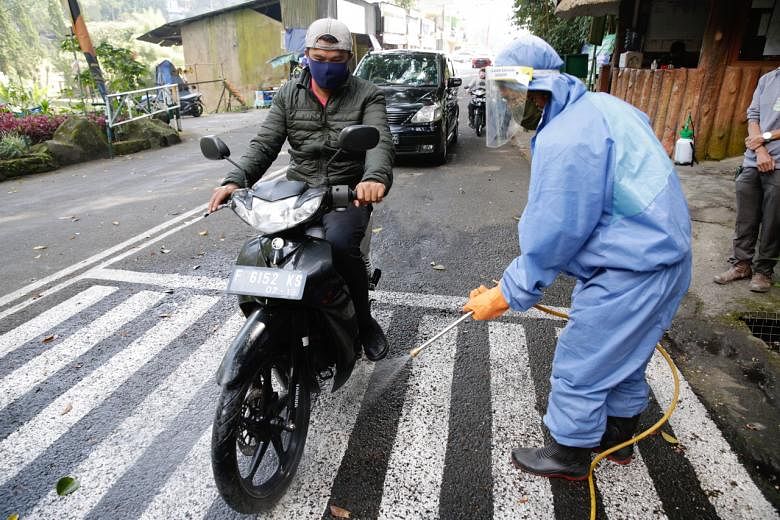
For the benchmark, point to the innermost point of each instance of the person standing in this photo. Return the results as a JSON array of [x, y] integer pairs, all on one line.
[[758, 192]]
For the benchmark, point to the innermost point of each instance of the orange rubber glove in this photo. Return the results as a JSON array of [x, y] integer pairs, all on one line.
[[487, 304]]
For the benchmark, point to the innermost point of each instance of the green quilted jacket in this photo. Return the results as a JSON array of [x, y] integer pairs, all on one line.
[[296, 115]]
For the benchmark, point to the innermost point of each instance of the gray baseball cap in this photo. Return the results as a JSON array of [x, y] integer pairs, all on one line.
[[329, 27]]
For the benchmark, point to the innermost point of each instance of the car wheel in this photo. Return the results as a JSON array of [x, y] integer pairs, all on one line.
[[454, 140], [440, 157]]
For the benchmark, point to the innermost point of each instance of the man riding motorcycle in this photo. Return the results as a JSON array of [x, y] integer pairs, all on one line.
[[477, 82], [310, 113]]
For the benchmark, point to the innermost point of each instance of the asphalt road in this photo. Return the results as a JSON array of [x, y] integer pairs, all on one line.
[[107, 366]]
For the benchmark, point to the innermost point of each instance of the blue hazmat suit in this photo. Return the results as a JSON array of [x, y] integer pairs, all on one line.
[[606, 207]]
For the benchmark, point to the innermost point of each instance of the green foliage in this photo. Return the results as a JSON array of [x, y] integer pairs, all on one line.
[[21, 48], [121, 70], [13, 145], [538, 16]]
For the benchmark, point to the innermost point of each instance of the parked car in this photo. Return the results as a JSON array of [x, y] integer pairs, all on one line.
[[480, 62], [422, 99]]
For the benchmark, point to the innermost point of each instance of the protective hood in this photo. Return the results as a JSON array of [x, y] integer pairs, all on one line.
[[531, 51]]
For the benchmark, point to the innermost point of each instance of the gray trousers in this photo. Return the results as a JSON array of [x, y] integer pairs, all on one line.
[[758, 219]]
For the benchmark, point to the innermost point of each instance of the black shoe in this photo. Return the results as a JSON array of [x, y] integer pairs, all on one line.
[[619, 430], [554, 461], [374, 342]]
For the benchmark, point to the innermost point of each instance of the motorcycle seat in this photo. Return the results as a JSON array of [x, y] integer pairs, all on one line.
[[278, 189]]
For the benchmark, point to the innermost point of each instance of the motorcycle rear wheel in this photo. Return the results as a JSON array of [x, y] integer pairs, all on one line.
[[258, 438], [197, 110]]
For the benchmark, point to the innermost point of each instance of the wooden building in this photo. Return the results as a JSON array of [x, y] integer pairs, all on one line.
[[697, 57]]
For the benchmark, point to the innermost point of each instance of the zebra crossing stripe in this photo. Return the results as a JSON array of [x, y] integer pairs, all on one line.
[[111, 458], [428, 301], [516, 495], [190, 490], [17, 337], [28, 442], [24, 378], [414, 471], [724, 480]]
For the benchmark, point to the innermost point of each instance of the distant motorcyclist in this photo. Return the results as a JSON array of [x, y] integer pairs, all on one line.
[[310, 112], [476, 82]]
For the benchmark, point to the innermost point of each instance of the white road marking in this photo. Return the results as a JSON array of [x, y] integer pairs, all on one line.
[[416, 466], [724, 480], [428, 301], [31, 440], [331, 424], [24, 378], [516, 495], [147, 235], [96, 258], [29, 330], [111, 458], [190, 490]]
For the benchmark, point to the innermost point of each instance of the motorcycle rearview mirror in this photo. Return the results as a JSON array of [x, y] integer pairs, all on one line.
[[212, 147], [358, 138]]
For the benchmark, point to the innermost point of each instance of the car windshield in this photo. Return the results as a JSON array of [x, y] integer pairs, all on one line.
[[415, 70]]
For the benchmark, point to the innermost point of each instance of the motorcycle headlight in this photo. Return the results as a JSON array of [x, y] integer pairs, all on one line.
[[272, 217], [428, 114]]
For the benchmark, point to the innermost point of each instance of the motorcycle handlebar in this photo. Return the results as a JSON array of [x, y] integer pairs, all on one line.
[[341, 196]]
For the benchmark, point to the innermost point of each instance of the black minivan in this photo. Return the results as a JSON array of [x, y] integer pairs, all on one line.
[[422, 99]]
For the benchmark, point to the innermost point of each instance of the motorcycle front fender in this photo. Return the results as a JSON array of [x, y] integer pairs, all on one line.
[[248, 347]]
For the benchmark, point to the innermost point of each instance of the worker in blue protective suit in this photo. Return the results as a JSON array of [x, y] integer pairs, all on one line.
[[606, 207]]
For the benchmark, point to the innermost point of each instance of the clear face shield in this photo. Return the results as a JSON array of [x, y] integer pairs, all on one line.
[[505, 102]]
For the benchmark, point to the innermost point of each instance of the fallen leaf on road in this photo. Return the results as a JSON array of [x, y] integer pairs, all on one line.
[[13, 516], [164, 315], [195, 267], [49, 339], [13, 191], [756, 427], [67, 485], [69, 217], [668, 438], [203, 233], [40, 248], [68, 407], [116, 223], [36, 257], [523, 499], [376, 230], [164, 250], [516, 218], [168, 291], [338, 512], [439, 267]]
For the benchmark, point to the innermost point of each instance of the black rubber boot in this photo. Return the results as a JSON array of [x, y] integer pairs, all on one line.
[[554, 461], [373, 338], [619, 430]]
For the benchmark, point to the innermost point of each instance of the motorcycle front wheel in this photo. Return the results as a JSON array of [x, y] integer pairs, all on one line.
[[258, 438], [197, 110], [479, 125]]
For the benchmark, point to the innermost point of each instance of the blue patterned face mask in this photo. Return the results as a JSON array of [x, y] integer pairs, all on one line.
[[328, 75]]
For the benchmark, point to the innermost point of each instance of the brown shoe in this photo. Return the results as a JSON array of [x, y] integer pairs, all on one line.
[[760, 283], [738, 271]]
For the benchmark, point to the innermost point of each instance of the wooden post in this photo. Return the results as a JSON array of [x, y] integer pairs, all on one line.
[[675, 104], [738, 132], [663, 103], [647, 85], [605, 73], [655, 93], [719, 37], [721, 131]]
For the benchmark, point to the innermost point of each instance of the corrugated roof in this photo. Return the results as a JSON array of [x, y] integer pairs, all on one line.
[[572, 8], [170, 34]]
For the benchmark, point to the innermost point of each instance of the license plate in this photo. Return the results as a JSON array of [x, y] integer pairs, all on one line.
[[271, 283], [396, 139]]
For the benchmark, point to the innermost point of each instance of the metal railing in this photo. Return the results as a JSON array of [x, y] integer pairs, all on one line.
[[124, 107]]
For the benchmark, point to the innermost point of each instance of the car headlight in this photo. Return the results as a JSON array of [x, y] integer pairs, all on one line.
[[271, 217], [428, 114]]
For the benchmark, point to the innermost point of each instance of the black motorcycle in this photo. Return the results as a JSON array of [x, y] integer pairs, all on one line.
[[478, 100], [299, 330], [191, 104]]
